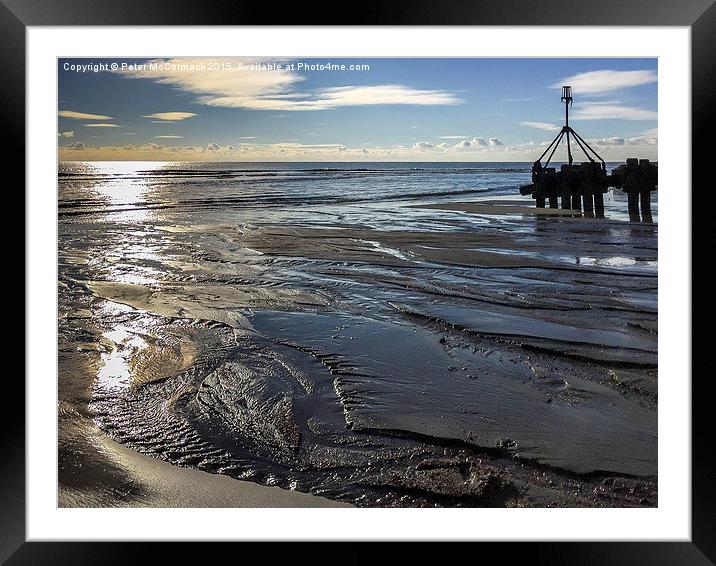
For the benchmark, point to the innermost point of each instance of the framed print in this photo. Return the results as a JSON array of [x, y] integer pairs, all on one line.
[[409, 279]]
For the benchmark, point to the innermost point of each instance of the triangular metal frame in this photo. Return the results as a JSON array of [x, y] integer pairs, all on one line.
[[567, 130]]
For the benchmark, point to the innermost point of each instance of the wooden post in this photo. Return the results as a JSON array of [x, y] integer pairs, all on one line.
[[633, 206], [553, 201], [567, 202], [645, 198], [540, 200], [588, 206], [599, 205], [576, 203]]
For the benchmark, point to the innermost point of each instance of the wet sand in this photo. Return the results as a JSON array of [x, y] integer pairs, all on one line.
[[498, 207], [458, 354], [492, 349], [96, 471]]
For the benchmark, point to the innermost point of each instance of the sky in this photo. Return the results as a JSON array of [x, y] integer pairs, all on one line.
[[372, 109]]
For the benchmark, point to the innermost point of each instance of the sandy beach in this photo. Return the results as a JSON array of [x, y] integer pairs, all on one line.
[[392, 350], [108, 474], [95, 471]]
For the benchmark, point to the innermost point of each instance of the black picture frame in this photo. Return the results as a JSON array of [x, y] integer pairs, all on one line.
[[699, 15]]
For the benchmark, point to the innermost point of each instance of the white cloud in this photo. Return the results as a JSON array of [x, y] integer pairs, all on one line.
[[605, 102], [82, 116], [650, 137], [101, 126], [169, 136], [451, 137], [296, 145], [641, 140], [612, 112], [170, 116], [615, 148], [541, 126], [376, 95], [597, 82], [66, 134], [608, 141], [474, 142], [242, 87]]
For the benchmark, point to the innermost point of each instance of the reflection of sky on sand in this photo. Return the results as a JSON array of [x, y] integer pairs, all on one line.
[[135, 265], [641, 263], [135, 258], [115, 371], [390, 251], [144, 277], [616, 261], [123, 343]]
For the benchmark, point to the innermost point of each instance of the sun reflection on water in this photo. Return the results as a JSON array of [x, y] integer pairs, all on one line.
[[128, 191], [126, 187]]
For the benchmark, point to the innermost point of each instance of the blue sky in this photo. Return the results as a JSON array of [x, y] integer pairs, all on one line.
[[398, 109]]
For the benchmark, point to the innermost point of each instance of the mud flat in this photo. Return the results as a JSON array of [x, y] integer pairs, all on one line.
[[96, 471], [497, 207], [445, 354]]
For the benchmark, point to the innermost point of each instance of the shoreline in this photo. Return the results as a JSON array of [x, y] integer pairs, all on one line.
[[128, 478], [96, 471]]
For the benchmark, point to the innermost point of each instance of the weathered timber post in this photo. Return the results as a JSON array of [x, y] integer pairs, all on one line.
[[645, 201], [576, 203], [637, 178], [593, 183], [599, 204], [569, 186], [633, 204], [588, 205], [649, 178]]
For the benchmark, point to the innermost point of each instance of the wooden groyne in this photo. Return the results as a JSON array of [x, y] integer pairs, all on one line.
[[581, 187]]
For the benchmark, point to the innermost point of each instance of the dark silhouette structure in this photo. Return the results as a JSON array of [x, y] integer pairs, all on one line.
[[582, 187], [637, 178]]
